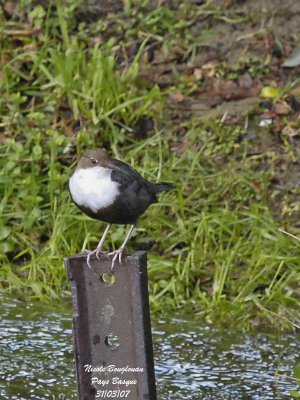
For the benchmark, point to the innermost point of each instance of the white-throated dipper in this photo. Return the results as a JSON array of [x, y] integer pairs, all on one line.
[[111, 191]]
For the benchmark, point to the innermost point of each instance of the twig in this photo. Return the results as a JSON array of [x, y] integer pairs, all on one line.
[[277, 315], [289, 234]]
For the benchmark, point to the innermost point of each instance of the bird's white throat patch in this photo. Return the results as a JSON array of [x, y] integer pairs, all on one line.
[[93, 187]]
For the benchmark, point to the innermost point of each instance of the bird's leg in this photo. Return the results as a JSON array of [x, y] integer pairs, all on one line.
[[99, 248], [117, 254]]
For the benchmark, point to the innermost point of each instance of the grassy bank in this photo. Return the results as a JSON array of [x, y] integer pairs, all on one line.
[[67, 85]]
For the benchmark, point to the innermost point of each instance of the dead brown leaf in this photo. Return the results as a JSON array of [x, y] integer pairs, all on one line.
[[281, 108], [230, 90], [177, 97], [210, 68], [198, 73], [290, 132]]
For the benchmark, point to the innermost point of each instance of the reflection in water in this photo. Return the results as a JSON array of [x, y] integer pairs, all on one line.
[[192, 362]]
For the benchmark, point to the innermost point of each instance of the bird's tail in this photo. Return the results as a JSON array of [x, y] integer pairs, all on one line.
[[161, 187]]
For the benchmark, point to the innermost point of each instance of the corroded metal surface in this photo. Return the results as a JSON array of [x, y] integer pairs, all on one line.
[[112, 329]]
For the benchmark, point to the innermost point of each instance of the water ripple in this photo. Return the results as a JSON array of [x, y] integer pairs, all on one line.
[[192, 361]]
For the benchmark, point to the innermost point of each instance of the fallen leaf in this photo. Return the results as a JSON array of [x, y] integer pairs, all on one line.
[[293, 60], [295, 91], [230, 90], [211, 68], [289, 131], [269, 92], [208, 65], [256, 184], [281, 108], [198, 73], [177, 97]]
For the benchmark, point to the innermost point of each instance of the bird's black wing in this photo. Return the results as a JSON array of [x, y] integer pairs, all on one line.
[[133, 184], [137, 194], [123, 173]]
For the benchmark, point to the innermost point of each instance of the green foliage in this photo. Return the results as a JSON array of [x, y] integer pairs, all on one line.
[[214, 243], [43, 85]]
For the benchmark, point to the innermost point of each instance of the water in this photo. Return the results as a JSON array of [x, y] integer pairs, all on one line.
[[193, 362], [203, 362]]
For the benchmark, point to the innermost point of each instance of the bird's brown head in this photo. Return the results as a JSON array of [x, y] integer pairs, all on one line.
[[93, 158]]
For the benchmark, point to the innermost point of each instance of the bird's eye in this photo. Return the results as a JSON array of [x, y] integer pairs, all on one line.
[[93, 161]]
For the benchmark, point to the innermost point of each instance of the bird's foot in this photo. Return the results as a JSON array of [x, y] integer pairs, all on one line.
[[98, 251], [117, 254]]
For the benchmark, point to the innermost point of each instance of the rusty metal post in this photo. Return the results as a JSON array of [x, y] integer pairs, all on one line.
[[112, 328]]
